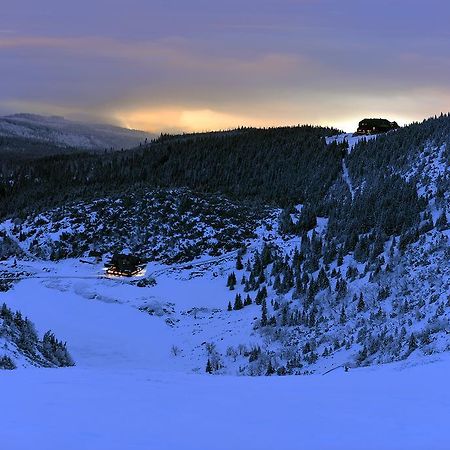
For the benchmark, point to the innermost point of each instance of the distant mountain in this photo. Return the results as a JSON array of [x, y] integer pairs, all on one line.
[[62, 132]]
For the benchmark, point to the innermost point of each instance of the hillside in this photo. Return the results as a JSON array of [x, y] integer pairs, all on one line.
[[163, 225], [273, 166], [22, 347], [355, 285], [338, 260], [61, 132]]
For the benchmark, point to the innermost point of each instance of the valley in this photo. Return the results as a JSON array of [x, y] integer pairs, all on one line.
[[348, 291]]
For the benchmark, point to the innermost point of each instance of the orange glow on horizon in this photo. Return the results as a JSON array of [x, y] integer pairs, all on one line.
[[175, 120], [187, 120]]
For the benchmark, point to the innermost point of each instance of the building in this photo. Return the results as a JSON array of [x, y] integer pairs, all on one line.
[[374, 126], [122, 265]]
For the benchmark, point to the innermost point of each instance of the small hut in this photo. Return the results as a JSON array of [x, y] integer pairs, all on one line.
[[375, 126], [122, 265]]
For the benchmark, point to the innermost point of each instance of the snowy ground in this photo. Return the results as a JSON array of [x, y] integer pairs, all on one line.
[[351, 139], [102, 322], [93, 408], [128, 390]]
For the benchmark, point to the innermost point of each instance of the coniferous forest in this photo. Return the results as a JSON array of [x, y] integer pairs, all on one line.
[[280, 167], [180, 197]]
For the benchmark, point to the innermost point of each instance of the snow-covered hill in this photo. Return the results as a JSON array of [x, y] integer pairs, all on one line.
[[63, 132], [350, 138], [141, 353], [351, 294], [351, 310], [22, 347], [165, 225]]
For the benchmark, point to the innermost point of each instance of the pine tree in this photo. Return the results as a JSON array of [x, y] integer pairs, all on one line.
[[340, 258], [266, 255], [264, 313], [441, 222], [261, 295], [362, 355], [425, 338], [238, 302], [56, 351], [277, 283], [230, 308], [361, 304], [322, 280], [285, 224], [231, 282], [284, 315], [412, 343], [6, 363], [341, 288], [343, 316], [270, 370], [208, 366], [239, 265]]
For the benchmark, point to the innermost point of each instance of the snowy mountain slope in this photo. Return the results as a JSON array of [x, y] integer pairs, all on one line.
[[168, 225], [233, 289], [131, 369], [60, 131], [257, 290], [186, 310], [350, 138], [21, 345], [101, 333]]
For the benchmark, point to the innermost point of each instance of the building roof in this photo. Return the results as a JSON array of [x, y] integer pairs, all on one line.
[[380, 125], [126, 264]]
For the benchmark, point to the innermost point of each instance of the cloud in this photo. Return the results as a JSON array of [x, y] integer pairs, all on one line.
[[199, 65]]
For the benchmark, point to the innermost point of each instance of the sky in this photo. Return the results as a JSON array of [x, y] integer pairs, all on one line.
[[177, 65]]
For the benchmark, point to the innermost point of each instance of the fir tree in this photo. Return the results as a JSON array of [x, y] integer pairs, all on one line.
[[6, 363], [322, 280], [231, 282], [341, 288], [340, 258], [238, 302], [343, 315], [361, 304], [264, 320], [412, 343], [270, 370]]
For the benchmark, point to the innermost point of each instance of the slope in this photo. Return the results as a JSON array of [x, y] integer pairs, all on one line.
[[66, 133], [386, 408]]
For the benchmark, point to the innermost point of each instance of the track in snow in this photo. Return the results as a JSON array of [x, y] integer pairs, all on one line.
[[347, 179]]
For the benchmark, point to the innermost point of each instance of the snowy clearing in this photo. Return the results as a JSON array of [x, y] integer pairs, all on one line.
[[129, 392]]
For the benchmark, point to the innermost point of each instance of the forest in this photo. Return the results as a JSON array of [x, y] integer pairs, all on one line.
[[279, 167]]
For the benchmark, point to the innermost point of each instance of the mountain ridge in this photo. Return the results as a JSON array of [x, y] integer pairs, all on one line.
[[61, 131]]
